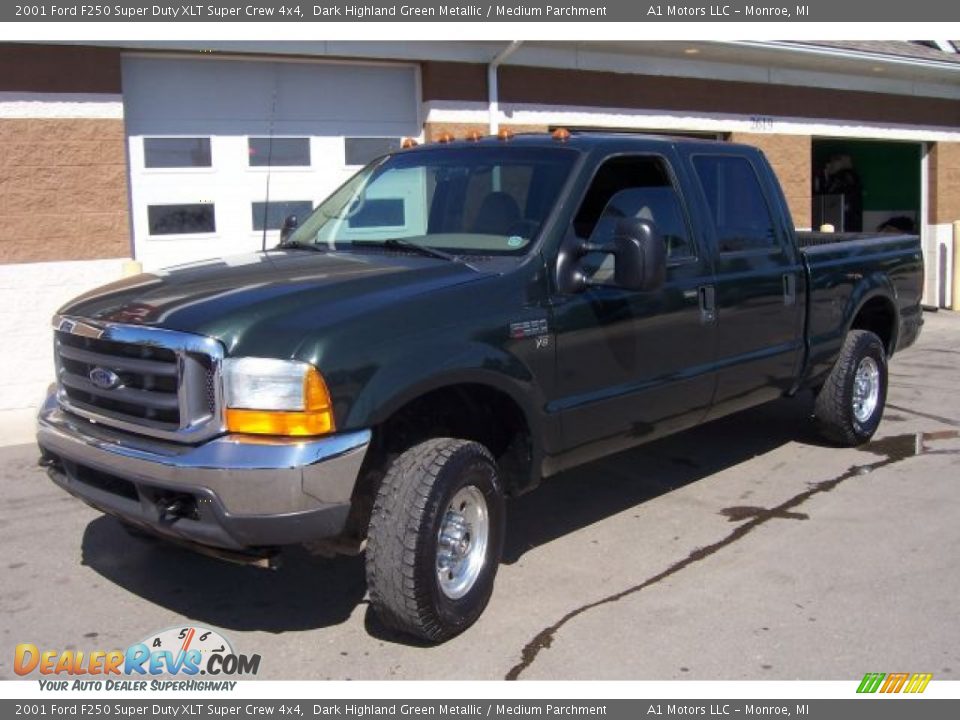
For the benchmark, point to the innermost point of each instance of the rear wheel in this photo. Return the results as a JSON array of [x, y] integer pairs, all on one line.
[[435, 538], [850, 404]]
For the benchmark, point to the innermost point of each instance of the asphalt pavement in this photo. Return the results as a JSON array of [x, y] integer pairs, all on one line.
[[744, 549]]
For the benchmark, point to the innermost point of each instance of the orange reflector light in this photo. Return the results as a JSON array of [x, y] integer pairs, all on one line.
[[315, 419], [408, 142], [504, 134], [561, 134], [445, 137], [473, 136]]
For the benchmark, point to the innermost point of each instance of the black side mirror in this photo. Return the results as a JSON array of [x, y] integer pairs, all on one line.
[[640, 258], [640, 255], [289, 225]]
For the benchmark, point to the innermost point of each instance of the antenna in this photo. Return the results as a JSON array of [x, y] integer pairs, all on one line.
[[266, 200]]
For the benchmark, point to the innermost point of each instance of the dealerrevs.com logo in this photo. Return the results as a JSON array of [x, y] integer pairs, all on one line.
[[180, 651]]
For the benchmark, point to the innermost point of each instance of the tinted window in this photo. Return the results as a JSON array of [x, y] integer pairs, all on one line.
[[382, 212], [176, 152], [485, 199], [631, 187], [360, 151], [181, 219], [740, 212], [279, 152], [279, 211]]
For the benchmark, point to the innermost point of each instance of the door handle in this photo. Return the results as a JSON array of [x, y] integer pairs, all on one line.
[[708, 303], [789, 289]]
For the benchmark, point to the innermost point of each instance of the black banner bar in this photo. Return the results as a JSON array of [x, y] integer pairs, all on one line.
[[854, 11]]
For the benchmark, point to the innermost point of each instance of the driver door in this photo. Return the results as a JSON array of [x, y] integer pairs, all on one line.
[[634, 365]]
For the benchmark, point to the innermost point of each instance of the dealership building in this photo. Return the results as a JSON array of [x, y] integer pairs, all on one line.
[[161, 152]]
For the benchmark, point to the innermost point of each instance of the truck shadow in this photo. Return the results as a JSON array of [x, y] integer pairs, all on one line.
[[304, 593], [587, 494], [309, 593]]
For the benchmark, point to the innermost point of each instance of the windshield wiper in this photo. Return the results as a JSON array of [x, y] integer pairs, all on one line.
[[422, 249], [297, 245]]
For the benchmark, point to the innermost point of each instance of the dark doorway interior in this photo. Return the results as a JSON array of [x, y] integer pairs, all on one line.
[[866, 185]]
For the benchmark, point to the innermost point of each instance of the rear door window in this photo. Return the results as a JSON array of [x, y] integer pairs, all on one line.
[[740, 213]]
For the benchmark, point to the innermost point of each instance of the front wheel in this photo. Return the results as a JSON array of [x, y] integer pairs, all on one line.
[[850, 404], [435, 538]]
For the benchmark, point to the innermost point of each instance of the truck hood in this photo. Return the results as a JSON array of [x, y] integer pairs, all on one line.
[[248, 299]]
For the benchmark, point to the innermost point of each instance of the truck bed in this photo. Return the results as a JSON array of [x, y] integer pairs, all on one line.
[[843, 271], [812, 239]]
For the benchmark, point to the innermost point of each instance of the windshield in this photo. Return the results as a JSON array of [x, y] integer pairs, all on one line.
[[476, 201]]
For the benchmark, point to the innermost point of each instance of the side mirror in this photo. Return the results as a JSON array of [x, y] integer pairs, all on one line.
[[640, 258], [289, 225], [640, 255]]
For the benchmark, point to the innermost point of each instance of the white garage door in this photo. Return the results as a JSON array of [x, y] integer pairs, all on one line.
[[202, 133]]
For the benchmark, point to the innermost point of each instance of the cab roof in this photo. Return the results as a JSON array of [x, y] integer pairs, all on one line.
[[582, 141]]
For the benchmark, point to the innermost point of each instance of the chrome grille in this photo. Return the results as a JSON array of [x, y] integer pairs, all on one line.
[[147, 380]]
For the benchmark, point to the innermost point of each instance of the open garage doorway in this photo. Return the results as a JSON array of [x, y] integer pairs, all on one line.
[[867, 185]]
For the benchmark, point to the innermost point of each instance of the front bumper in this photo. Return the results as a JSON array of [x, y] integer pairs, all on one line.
[[234, 493]]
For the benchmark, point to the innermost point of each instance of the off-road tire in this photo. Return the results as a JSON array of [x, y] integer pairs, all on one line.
[[834, 409], [401, 555]]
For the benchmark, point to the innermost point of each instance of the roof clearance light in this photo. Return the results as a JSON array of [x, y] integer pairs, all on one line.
[[504, 134], [473, 136], [560, 134], [408, 142], [445, 137]]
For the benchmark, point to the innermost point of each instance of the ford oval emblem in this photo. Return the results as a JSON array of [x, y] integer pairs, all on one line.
[[103, 378]]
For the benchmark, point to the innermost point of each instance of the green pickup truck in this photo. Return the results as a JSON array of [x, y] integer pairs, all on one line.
[[455, 323]]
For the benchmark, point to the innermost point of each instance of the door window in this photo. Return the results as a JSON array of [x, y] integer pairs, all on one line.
[[278, 152], [176, 152], [631, 187], [740, 212]]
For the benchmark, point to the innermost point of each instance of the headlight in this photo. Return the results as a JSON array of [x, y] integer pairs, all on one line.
[[276, 397]]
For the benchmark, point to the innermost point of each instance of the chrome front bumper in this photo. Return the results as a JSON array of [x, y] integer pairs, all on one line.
[[232, 492]]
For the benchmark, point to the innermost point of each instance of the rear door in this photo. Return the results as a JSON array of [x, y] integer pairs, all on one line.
[[634, 365], [758, 278]]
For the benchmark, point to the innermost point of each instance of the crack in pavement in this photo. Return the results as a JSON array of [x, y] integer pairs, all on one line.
[[894, 449]]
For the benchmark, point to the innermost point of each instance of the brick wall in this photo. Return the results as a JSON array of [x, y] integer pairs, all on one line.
[[944, 167], [790, 156], [63, 190]]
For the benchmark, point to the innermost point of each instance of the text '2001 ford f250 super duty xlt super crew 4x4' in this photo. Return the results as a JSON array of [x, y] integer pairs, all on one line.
[[453, 324]]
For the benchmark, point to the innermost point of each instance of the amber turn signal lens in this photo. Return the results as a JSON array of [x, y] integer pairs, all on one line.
[[279, 422], [315, 419]]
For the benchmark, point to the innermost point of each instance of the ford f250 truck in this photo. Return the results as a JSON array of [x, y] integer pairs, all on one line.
[[455, 323]]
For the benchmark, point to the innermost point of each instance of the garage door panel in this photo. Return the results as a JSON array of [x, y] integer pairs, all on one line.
[[215, 107], [165, 94]]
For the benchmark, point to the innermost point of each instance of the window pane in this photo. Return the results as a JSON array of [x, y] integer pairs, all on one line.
[[278, 212], [360, 151], [659, 205], [176, 152], [740, 212], [181, 219], [631, 187], [382, 212], [286, 152]]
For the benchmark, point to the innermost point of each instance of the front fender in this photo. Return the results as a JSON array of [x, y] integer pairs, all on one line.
[[399, 381]]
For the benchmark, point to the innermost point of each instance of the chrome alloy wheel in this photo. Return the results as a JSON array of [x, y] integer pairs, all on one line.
[[462, 542], [866, 389]]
